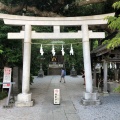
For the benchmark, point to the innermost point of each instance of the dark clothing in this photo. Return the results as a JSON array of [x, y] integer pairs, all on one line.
[[83, 76], [63, 73]]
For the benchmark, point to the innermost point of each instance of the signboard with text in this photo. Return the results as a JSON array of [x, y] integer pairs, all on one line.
[[7, 77], [56, 96]]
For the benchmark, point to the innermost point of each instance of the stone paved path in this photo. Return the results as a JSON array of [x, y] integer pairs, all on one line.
[[70, 107]]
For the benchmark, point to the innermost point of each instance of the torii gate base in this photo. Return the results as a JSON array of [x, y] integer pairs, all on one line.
[[24, 98], [90, 99]]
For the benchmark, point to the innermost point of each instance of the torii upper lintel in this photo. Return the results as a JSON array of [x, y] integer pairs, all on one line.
[[51, 21]]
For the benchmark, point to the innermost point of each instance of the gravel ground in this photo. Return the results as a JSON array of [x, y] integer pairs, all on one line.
[[70, 107]]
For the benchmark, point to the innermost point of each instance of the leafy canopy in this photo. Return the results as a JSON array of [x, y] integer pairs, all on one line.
[[114, 24]]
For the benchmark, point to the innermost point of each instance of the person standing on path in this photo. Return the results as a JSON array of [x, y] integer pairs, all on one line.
[[83, 76], [63, 73]]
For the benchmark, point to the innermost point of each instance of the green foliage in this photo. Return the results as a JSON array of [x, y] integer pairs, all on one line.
[[77, 58], [10, 50], [114, 24], [116, 5], [42, 28], [95, 44], [59, 7], [3, 95], [12, 2], [13, 55], [106, 41], [117, 89], [114, 42], [1, 51], [92, 9]]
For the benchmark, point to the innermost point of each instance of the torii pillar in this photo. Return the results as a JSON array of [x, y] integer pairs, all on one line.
[[90, 97], [24, 98]]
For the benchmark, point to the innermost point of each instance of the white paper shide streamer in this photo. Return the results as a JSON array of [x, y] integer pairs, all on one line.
[[71, 50], [115, 66], [62, 50], [110, 65], [53, 50], [41, 50]]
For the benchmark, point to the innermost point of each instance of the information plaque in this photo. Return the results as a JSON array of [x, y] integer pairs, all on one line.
[[56, 96], [7, 77]]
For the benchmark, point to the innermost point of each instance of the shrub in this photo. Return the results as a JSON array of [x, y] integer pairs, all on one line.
[[3, 95], [117, 89]]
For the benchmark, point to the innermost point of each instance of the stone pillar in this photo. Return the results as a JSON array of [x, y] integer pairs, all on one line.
[[20, 79], [56, 29], [116, 72], [24, 99], [94, 77], [16, 80], [41, 72], [73, 71], [89, 97], [87, 60], [105, 77]]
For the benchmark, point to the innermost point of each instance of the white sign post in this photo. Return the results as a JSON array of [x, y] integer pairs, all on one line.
[[56, 96], [7, 77]]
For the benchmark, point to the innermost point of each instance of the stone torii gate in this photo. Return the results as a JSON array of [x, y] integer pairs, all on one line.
[[24, 98]]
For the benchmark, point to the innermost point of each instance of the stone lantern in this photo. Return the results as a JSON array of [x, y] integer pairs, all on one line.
[[41, 72], [73, 71]]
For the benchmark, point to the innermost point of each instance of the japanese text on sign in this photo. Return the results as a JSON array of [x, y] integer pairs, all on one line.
[[56, 96], [7, 77]]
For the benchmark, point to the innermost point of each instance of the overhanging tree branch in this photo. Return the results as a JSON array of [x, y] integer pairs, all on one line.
[[52, 13], [42, 13], [12, 10], [87, 2]]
